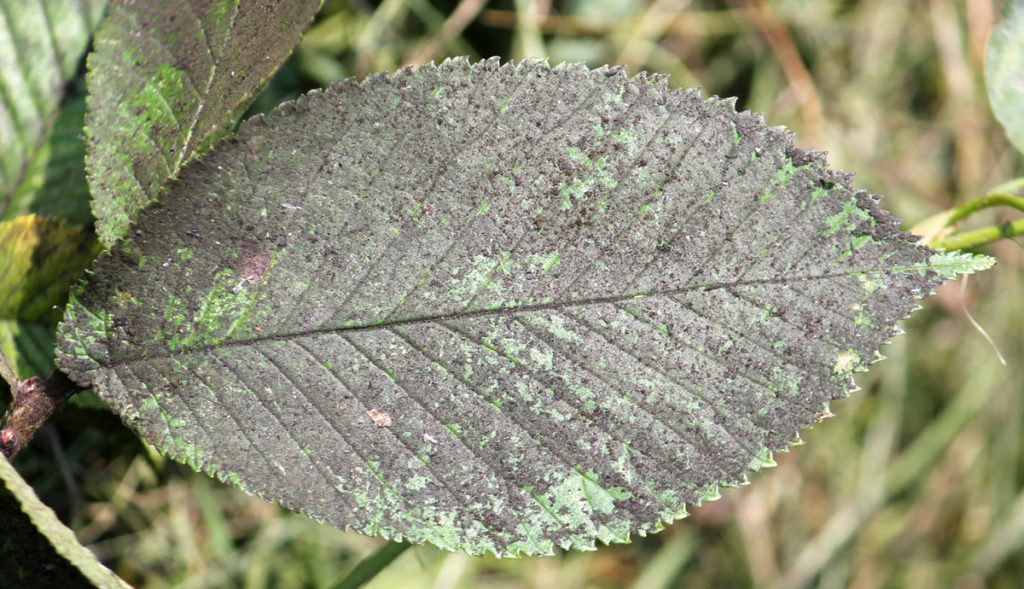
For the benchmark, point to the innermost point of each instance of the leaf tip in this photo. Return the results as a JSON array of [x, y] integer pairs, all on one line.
[[948, 264]]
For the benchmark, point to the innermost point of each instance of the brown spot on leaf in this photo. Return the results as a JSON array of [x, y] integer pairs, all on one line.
[[379, 417], [845, 362], [253, 262]]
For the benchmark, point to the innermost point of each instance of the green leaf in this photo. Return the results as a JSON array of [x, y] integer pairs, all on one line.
[[54, 184], [495, 308], [41, 45], [166, 76], [29, 346], [38, 550], [40, 258], [1004, 73]]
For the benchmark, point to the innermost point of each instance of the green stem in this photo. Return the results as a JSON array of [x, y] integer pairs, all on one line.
[[1006, 194], [980, 237], [371, 565], [992, 199]]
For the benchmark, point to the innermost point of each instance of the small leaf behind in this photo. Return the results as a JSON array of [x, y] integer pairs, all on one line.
[[54, 183], [41, 45], [40, 258], [496, 308], [163, 78]]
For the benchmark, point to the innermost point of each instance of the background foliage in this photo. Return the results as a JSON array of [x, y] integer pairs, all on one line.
[[918, 480]]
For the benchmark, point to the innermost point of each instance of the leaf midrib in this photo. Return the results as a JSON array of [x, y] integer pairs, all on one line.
[[512, 311]]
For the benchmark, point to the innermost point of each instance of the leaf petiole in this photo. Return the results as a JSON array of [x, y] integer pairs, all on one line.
[[33, 402]]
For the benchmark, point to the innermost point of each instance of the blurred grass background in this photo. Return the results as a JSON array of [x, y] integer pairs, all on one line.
[[919, 479]]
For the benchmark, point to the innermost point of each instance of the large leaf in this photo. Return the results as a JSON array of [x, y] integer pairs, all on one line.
[[41, 44], [1004, 73], [164, 78], [496, 308], [38, 550]]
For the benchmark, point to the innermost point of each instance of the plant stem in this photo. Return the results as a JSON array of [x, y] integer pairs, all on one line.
[[980, 237], [1006, 194], [34, 401], [992, 199], [371, 565]]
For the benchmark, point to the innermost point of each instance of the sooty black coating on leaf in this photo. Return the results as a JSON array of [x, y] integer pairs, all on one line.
[[581, 300]]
